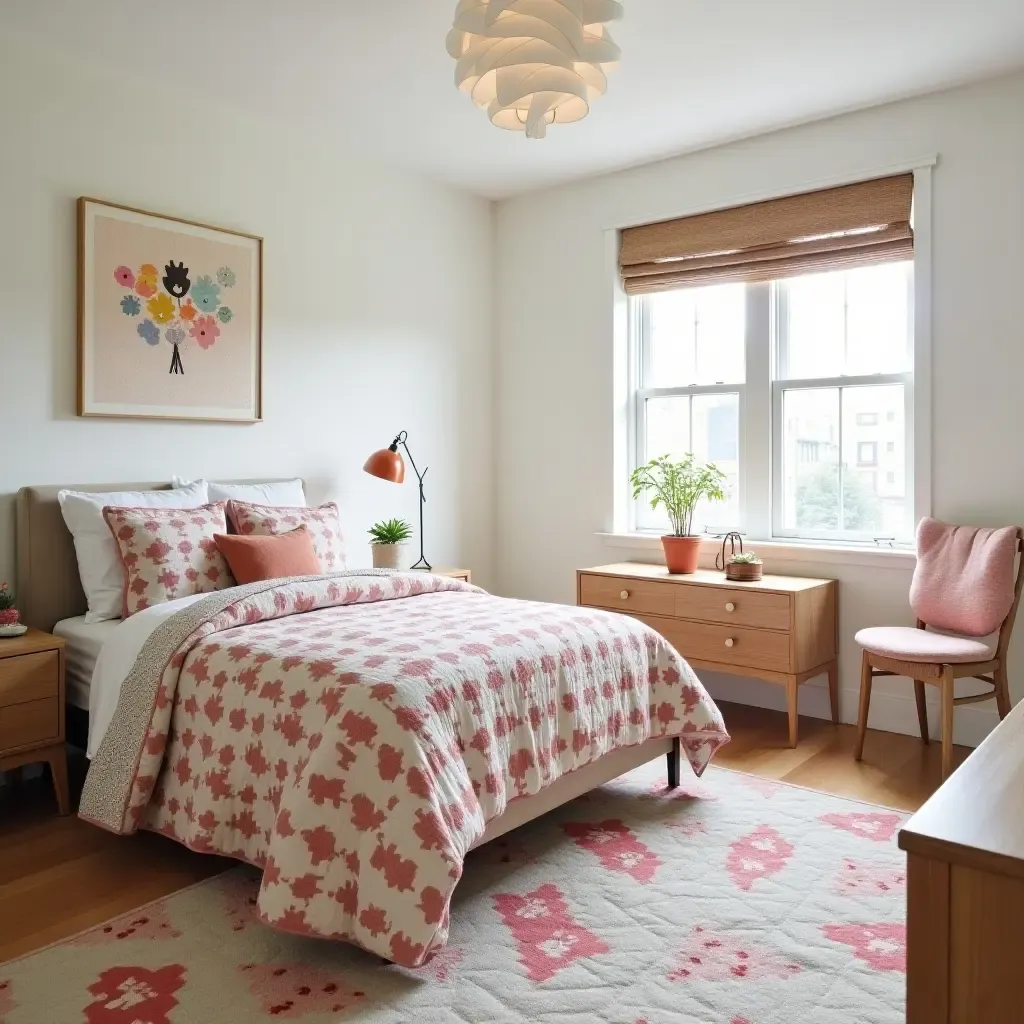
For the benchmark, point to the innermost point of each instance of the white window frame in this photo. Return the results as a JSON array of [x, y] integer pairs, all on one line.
[[760, 396]]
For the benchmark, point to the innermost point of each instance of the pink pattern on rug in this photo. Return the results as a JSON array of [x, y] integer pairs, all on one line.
[[241, 893], [616, 847], [443, 964], [721, 957], [293, 991], [765, 787], [688, 791], [152, 923], [135, 995], [548, 938], [761, 853], [868, 880], [696, 827], [882, 946], [7, 1003], [877, 827]]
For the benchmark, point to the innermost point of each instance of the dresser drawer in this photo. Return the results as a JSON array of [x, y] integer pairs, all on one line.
[[726, 645], [28, 677], [25, 725], [739, 607], [628, 595]]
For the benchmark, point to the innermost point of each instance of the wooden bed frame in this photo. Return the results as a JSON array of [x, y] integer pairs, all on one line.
[[49, 590]]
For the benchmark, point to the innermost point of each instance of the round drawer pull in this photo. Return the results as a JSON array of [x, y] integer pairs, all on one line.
[[730, 642], [730, 607], [624, 595]]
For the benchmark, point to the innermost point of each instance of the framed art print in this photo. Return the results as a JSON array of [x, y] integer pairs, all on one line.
[[169, 317]]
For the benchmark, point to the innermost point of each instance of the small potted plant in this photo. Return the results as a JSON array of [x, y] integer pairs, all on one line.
[[679, 487], [387, 541], [9, 617], [745, 566]]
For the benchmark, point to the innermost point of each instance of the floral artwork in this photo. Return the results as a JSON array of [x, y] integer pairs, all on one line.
[[169, 317], [167, 314]]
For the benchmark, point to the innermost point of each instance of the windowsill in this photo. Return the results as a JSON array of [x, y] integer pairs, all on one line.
[[818, 552]]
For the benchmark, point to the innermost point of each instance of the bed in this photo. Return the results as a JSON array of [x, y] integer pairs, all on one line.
[[354, 735]]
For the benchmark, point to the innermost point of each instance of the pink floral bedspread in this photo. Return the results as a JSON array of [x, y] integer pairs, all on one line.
[[354, 734]]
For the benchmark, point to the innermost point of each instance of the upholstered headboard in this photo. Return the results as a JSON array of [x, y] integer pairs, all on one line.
[[48, 585]]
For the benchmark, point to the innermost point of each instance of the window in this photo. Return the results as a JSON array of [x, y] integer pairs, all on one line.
[[793, 387]]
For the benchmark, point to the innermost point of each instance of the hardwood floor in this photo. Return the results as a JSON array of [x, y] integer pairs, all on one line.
[[59, 876]]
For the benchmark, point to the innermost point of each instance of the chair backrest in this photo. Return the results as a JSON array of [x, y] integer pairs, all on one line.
[[964, 581]]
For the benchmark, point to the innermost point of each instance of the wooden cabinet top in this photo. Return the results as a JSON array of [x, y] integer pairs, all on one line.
[[977, 817], [707, 578], [32, 642]]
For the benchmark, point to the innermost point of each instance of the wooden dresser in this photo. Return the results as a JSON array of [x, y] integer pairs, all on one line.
[[781, 629], [965, 889]]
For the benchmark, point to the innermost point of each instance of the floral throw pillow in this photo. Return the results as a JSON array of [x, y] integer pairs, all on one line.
[[269, 520], [168, 553]]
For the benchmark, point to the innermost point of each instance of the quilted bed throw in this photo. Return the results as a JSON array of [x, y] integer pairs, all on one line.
[[353, 734]]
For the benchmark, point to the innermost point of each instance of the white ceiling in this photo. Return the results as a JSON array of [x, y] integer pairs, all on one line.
[[694, 72]]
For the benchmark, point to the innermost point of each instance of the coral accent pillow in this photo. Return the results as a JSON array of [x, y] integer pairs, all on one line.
[[252, 559], [323, 524], [168, 553], [964, 578]]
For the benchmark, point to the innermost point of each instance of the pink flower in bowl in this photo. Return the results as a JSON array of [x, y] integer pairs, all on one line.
[[124, 277]]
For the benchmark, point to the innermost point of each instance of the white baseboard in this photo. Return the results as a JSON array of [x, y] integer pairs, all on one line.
[[891, 709]]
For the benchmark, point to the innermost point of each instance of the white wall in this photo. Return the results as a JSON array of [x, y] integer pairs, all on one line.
[[555, 364], [378, 312]]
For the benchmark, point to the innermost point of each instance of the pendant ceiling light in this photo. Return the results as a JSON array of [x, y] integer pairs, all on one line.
[[530, 63]]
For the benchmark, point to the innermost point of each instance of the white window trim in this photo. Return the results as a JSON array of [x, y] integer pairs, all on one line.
[[757, 507]]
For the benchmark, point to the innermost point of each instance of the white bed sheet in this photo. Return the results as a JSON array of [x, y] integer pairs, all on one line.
[[121, 643], [82, 645]]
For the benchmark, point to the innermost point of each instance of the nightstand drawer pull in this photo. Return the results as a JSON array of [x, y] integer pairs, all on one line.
[[730, 642], [730, 607], [624, 594]]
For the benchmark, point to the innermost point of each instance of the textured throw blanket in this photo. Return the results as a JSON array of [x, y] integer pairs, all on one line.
[[353, 734]]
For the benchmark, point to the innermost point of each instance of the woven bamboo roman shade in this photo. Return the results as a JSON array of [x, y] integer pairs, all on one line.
[[833, 229]]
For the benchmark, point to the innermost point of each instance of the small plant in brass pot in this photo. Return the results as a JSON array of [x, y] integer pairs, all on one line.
[[679, 486]]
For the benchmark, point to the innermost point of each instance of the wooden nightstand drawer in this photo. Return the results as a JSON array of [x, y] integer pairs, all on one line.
[[34, 722], [627, 595], [28, 678], [734, 607]]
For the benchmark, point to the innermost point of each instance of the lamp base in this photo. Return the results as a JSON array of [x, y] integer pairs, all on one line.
[[422, 564]]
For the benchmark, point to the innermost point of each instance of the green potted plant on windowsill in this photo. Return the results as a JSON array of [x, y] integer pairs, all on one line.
[[388, 541], [679, 487]]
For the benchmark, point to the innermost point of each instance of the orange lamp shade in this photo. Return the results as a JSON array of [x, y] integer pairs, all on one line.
[[387, 464]]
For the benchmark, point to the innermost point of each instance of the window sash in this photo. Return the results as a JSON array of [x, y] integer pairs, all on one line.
[[779, 388]]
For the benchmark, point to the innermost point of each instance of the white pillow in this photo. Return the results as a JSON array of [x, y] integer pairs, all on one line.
[[99, 566], [276, 492]]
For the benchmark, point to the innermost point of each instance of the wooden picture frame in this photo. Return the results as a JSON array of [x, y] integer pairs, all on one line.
[[170, 317]]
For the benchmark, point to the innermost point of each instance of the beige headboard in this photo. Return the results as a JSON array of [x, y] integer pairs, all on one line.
[[48, 586]]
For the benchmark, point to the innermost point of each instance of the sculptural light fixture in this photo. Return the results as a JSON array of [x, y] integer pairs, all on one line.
[[530, 63]]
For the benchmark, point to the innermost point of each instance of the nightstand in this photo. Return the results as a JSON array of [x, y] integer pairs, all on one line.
[[455, 574], [32, 706]]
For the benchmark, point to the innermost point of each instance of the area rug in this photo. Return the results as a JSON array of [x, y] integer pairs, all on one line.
[[732, 900]]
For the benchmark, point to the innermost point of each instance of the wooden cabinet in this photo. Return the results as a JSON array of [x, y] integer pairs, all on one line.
[[781, 629], [965, 889], [32, 706]]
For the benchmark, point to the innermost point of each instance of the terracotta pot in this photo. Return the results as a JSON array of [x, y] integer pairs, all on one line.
[[681, 553], [387, 556]]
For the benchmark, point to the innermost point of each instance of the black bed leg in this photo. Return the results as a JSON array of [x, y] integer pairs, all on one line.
[[673, 764]]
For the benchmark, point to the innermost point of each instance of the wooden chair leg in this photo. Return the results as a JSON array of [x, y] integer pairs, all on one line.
[[792, 690], [1002, 690], [833, 690], [947, 721], [922, 709], [865, 705]]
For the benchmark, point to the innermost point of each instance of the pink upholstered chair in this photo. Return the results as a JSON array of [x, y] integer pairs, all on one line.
[[965, 594]]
